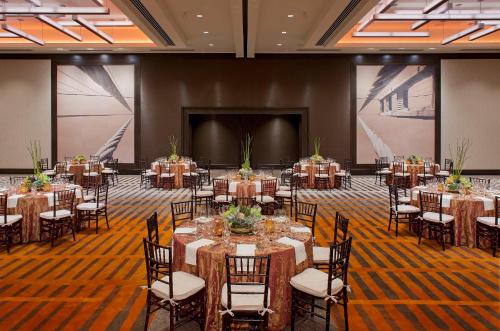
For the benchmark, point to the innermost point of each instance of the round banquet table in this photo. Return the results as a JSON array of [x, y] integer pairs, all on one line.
[[178, 169], [312, 169], [413, 170], [31, 205], [466, 209], [241, 188], [78, 169], [211, 267]]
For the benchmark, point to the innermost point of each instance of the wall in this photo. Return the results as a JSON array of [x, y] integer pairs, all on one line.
[[25, 109], [470, 108]]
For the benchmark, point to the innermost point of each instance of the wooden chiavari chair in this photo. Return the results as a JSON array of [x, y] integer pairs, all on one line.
[[433, 219], [91, 211], [489, 227], [181, 212], [221, 193], [60, 218], [305, 213], [10, 225], [321, 255], [402, 213]]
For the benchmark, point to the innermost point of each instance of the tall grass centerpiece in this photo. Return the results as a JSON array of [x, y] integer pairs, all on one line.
[[39, 180], [316, 157], [173, 157], [246, 154], [459, 156]]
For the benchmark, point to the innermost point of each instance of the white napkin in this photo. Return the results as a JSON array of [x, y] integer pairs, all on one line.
[[233, 186], [414, 194], [50, 197], [489, 204], [245, 250], [446, 200], [12, 200], [258, 186], [184, 230], [204, 219], [300, 249], [300, 229], [192, 248]]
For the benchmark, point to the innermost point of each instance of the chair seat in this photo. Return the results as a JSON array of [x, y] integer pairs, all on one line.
[[11, 219], [204, 194], [245, 302], [202, 171], [89, 206], [284, 188], [321, 255], [383, 172], [223, 198], [342, 173], [264, 199], [91, 174], [407, 209], [185, 285], [151, 173], [108, 171], [167, 175], [490, 221], [434, 217], [443, 173], [405, 200], [189, 174], [49, 172], [425, 175], [400, 174], [62, 213], [284, 194], [321, 176], [315, 282]]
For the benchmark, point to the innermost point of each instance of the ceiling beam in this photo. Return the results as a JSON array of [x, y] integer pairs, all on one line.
[[253, 26], [54, 10], [485, 32], [380, 8], [237, 26], [23, 34], [59, 27], [419, 24], [433, 5], [99, 3], [8, 35], [462, 33], [89, 26], [437, 17], [126, 23]]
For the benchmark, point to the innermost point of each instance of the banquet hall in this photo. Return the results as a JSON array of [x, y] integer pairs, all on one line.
[[249, 165]]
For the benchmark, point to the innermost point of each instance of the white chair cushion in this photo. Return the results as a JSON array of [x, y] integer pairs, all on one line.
[[88, 197], [284, 188], [400, 174], [108, 171], [204, 193], [284, 194], [315, 282], [321, 255], [187, 174], [434, 217], [185, 285], [202, 171], [321, 175], [407, 209], [223, 198], [341, 173], [264, 199], [89, 206], [404, 200], [443, 173], [62, 213], [383, 172], [167, 175], [245, 302], [11, 219], [426, 175], [92, 174], [483, 219]]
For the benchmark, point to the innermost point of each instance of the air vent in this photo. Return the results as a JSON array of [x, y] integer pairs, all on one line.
[[406, 50], [147, 15], [341, 18]]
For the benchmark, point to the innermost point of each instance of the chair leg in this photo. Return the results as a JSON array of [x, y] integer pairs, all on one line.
[[328, 312], [420, 230], [441, 230], [106, 216], [148, 310], [73, 228], [292, 319], [397, 224], [346, 317], [96, 222], [390, 221]]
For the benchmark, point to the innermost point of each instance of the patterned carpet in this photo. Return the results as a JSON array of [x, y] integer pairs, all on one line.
[[93, 283]]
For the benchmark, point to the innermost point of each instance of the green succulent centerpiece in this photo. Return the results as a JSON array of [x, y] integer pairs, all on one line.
[[246, 153], [455, 181], [241, 219], [316, 157], [173, 157]]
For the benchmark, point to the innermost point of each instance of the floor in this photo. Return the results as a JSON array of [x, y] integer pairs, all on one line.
[[94, 283]]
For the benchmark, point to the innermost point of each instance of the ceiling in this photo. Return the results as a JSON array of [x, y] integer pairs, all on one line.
[[249, 27]]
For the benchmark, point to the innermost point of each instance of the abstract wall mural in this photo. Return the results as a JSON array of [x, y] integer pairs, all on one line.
[[95, 111], [395, 111]]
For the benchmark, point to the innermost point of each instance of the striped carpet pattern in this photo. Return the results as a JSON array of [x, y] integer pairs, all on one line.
[[94, 282]]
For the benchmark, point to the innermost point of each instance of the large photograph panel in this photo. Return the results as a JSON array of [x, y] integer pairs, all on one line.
[[95, 111], [395, 111]]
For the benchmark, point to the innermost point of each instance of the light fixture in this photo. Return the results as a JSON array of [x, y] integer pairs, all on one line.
[[290, 15], [438, 17], [279, 44], [23, 34], [390, 34], [381, 7], [90, 49], [401, 48], [60, 49], [484, 32], [199, 16], [54, 10], [462, 33], [419, 24], [89, 26], [283, 32], [123, 23], [432, 48], [211, 45], [205, 32], [433, 5], [8, 35], [59, 27]]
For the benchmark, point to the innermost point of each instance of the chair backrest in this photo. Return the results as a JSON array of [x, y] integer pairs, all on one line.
[[497, 210], [268, 187], [181, 212], [69, 158], [347, 166], [143, 167], [448, 165], [249, 202], [341, 227], [158, 265], [297, 168], [61, 167], [44, 164], [305, 213], [63, 199], [3, 207], [220, 187], [152, 225], [16, 180], [95, 158], [394, 196], [399, 167], [431, 202], [378, 165], [247, 271], [164, 167], [101, 194], [338, 262], [384, 160], [484, 182], [323, 168], [398, 158]]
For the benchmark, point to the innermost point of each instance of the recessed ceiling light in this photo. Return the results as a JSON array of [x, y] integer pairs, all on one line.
[[371, 49], [401, 48], [291, 15], [90, 49], [283, 32], [211, 45], [205, 32], [60, 49], [279, 44], [199, 16], [432, 48]]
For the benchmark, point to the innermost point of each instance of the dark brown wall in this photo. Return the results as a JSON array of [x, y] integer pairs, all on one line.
[[320, 84]]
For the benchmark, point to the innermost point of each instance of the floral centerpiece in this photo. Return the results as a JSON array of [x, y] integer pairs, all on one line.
[[39, 180], [80, 159], [246, 152], [173, 157], [414, 159], [242, 219], [455, 181], [316, 157]]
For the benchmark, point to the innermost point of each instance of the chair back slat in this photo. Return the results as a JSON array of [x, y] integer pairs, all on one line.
[[181, 212], [268, 187], [340, 228], [152, 225], [431, 202], [220, 186]]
